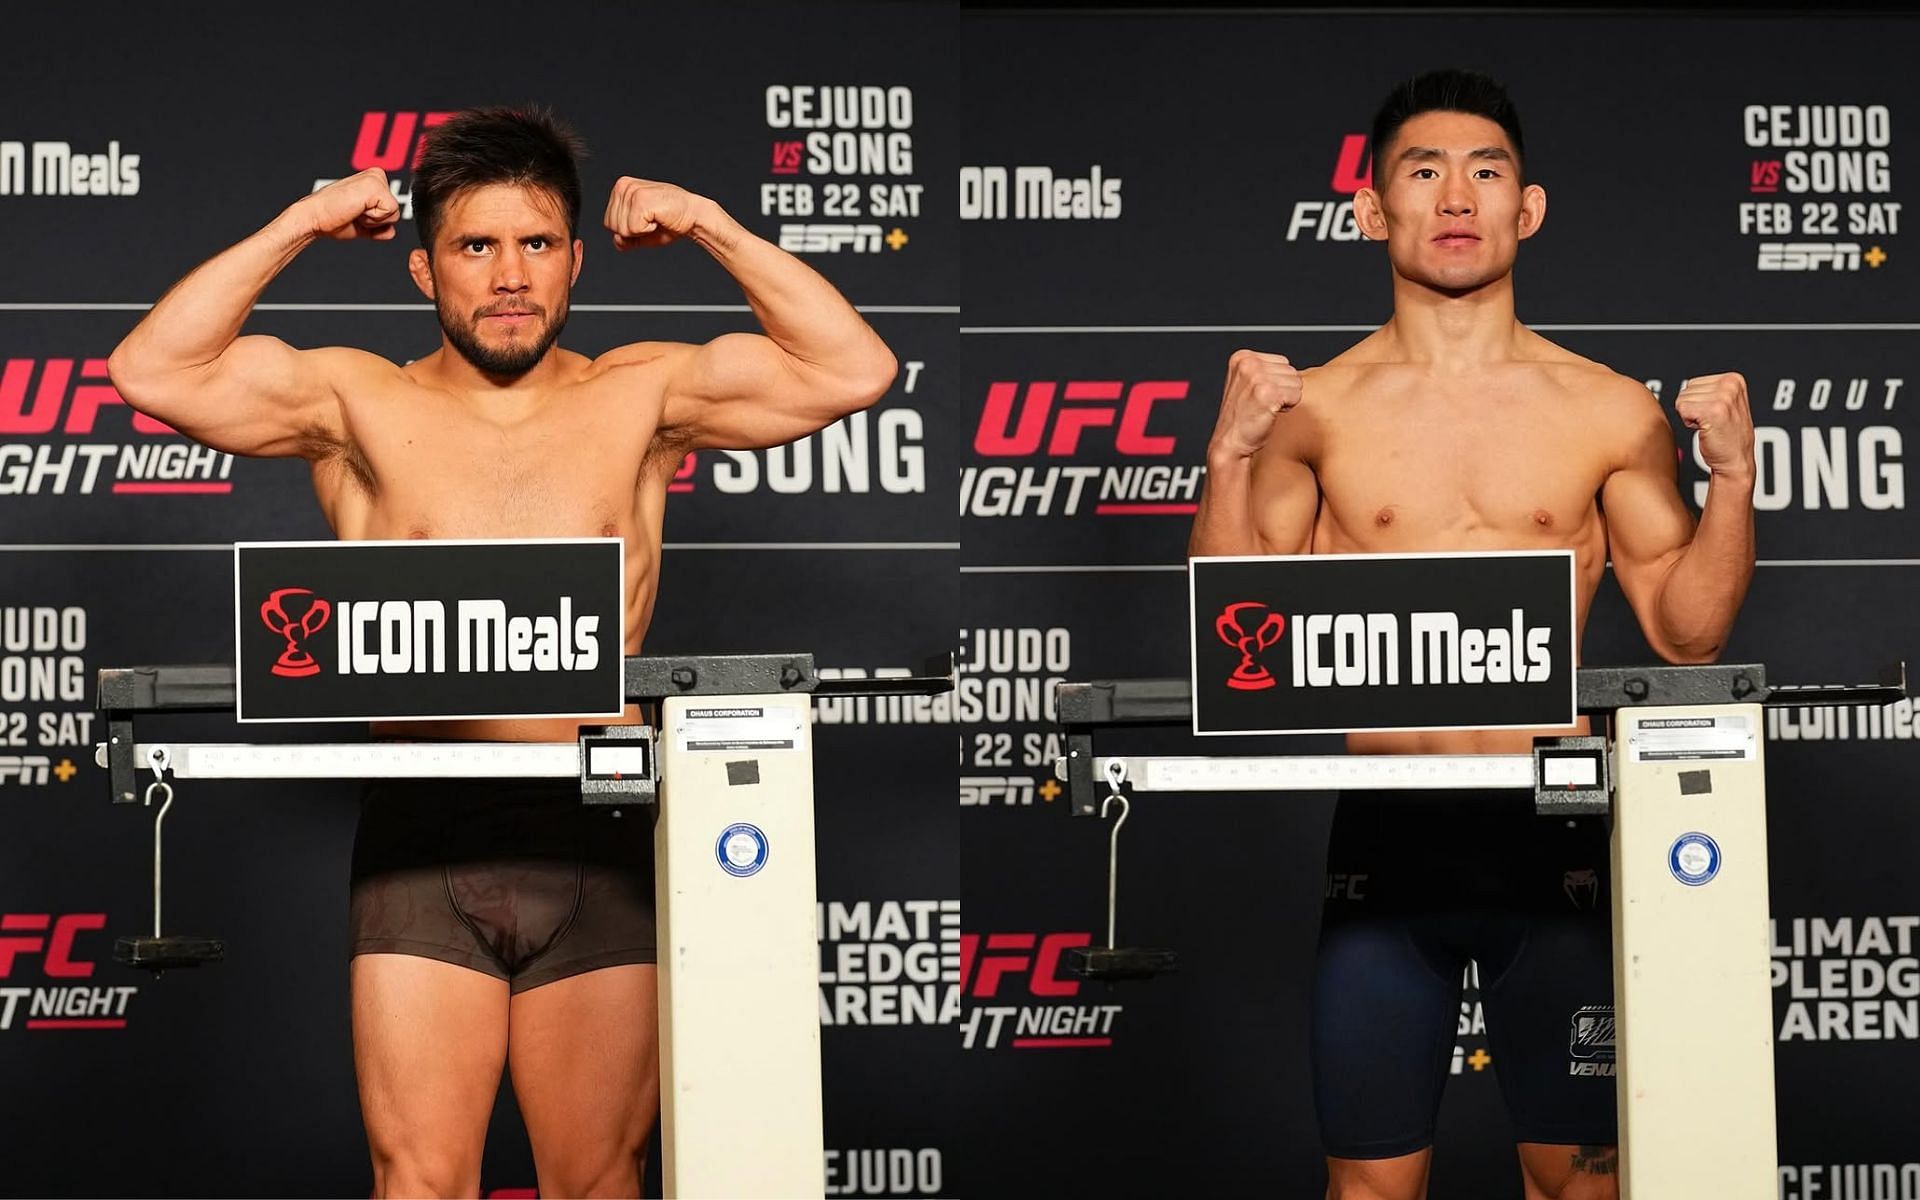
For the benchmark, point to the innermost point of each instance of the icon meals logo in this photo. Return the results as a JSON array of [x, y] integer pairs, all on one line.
[[294, 662], [1249, 676], [1364, 649], [407, 637]]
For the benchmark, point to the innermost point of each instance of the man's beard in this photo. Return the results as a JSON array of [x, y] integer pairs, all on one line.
[[507, 361]]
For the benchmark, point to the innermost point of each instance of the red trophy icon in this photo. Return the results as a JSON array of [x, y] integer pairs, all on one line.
[[294, 662], [1249, 676]]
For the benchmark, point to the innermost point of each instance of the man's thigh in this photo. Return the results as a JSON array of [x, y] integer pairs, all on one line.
[[429, 1039], [584, 1052]]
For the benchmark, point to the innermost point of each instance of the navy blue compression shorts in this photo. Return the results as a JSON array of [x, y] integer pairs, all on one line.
[[1419, 883]]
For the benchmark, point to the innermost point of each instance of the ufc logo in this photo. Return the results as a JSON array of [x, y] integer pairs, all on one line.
[[1013, 954], [1347, 887], [28, 768], [1809, 256], [1353, 170], [977, 790], [786, 157], [21, 933], [386, 138], [19, 415], [1084, 404], [1764, 176]]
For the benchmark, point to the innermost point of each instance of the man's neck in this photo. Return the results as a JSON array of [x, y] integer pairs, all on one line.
[[1454, 333]]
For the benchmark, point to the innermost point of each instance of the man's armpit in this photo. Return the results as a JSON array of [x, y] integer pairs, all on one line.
[[320, 445]]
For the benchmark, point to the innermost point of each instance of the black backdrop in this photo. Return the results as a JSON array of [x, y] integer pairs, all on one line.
[[1227, 134]]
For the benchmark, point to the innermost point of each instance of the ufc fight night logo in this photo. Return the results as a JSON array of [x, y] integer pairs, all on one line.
[[44, 402], [1047, 419], [392, 141], [50, 939], [1332, 220], [1029, 967]]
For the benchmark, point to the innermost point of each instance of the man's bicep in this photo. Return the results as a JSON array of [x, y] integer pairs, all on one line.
[[741, 391], [1286, 500], [1648, 526], [264, 397]]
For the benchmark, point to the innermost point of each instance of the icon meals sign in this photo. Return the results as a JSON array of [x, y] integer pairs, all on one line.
[[1339, 643], [351, 631]]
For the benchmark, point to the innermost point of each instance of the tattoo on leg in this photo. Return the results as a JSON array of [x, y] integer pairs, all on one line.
[[1597, 1160]]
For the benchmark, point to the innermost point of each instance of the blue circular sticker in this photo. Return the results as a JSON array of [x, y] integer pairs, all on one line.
[[1694, 859], [742, 850]]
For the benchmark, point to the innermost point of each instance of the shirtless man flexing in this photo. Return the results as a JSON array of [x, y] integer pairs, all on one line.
[[1454, 427], [502, 924]]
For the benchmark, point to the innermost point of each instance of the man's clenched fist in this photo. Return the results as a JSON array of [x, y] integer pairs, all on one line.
[[1259, 388]]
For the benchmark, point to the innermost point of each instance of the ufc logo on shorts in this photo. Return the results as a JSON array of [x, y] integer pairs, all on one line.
[[27, 933], [1015, 954], [392, 140], [1083, 405], [32, 407]]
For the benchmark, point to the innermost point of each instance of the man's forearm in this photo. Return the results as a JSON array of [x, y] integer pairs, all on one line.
[[803, 313], [1224, 522], [200, 316], [1702, 593]]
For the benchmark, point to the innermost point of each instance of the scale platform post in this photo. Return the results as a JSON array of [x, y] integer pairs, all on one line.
[[740, 1091], [1691, 966]]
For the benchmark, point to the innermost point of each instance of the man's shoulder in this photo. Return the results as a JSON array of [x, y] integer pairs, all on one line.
[[1585, 379], [1343, 373], [351, 364], [640, 355]]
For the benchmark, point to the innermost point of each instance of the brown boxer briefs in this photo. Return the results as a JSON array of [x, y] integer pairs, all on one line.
[[514, 878]]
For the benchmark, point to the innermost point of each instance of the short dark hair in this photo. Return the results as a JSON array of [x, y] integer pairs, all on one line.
[[1448, 90], [525, 146]]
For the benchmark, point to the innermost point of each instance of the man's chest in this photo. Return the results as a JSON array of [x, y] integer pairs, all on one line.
[[1414, 469], [441, 472]]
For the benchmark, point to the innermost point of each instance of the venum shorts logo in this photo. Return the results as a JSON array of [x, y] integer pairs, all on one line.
[[1582, 888], [1249, 676], [1590, 1041]]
